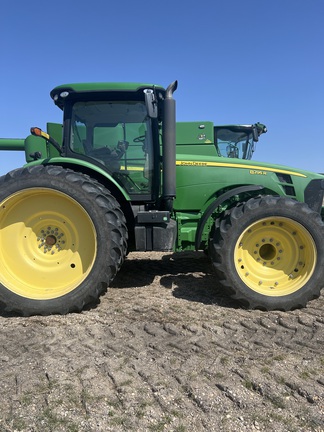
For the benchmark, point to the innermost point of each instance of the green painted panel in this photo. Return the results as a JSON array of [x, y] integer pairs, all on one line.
[[190, 133]]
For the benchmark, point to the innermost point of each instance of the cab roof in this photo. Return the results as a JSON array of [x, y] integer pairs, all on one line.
[[99, 87]]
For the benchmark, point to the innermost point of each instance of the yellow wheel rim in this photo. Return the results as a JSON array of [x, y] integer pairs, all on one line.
[[48, 243], [275, 256]]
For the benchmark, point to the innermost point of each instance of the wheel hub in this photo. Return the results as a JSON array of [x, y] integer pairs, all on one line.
[[50, 239], [267, 252]]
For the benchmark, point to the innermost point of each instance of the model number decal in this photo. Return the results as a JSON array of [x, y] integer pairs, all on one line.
[[257, 172]]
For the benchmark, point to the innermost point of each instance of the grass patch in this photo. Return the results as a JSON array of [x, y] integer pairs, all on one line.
[[276, 401], [160, 426], [224, 361], [304, 375], [248, 384], [54, 422]]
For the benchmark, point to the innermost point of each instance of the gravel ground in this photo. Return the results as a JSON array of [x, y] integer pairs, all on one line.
[[164, 350]]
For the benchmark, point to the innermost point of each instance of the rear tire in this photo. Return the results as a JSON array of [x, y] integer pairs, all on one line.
[[269, 253], [63, 238]]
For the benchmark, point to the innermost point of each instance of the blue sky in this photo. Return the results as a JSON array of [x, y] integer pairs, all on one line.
[[237, 61]]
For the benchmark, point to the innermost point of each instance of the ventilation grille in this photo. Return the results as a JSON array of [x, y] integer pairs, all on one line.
[[286, 183]]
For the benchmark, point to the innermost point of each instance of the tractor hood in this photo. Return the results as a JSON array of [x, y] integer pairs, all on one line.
[[198, 177], [255, 166]]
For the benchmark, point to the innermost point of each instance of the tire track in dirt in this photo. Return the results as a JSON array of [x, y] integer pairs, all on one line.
[[165, 350]]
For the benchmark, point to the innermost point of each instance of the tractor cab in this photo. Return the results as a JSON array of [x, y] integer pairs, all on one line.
[[237, 141], [114, 128]]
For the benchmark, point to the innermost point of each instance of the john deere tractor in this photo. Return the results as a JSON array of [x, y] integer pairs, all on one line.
[[108, 180]]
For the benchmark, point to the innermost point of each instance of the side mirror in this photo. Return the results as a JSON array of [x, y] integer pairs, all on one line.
[[255, 133], [151, 103]]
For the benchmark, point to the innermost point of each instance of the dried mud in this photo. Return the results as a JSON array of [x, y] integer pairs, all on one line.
[[164, 350]]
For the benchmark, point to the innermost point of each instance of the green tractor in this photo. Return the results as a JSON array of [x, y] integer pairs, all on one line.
[[109, 180], [233, 141]]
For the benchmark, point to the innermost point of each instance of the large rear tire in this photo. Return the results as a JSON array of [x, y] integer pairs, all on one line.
[[63, 238], [269, 253]]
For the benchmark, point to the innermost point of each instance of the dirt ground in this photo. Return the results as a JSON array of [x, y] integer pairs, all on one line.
[[164, 351]]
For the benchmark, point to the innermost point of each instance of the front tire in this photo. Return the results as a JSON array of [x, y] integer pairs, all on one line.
[[63, 238], [269, 253]]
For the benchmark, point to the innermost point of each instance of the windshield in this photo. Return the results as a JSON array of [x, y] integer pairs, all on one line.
[[117, 135], [234, 144]]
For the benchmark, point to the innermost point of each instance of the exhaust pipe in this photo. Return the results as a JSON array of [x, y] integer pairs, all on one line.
[[169, 148]]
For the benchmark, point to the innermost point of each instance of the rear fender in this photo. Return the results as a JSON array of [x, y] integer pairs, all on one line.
[[85, 167]]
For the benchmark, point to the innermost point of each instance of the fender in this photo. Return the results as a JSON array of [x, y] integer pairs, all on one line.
[[84, 166], [212, 207]]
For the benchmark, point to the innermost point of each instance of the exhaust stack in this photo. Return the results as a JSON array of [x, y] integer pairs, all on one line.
[[169, 148]]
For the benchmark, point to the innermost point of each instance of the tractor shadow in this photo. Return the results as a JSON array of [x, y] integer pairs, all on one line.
[[189, 275]]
